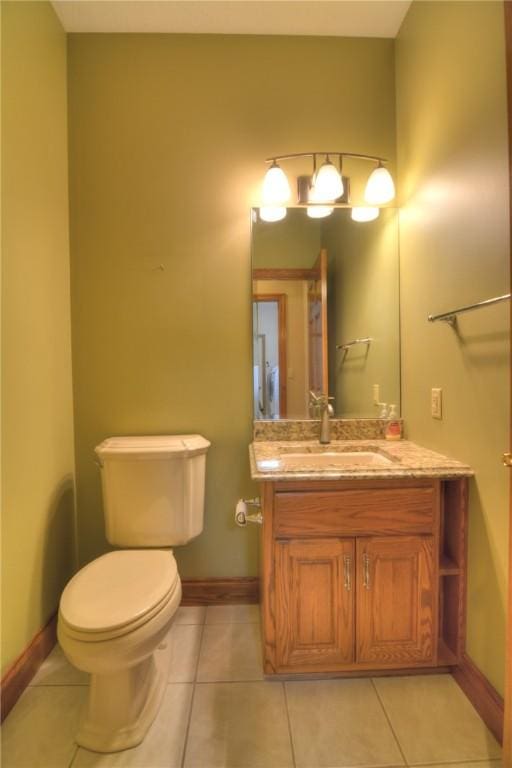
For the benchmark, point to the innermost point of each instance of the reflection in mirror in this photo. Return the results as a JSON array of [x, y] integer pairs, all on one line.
[[325, 314]]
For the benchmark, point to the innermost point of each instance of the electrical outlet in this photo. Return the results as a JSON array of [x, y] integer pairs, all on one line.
[[376, 394], [436, 403]]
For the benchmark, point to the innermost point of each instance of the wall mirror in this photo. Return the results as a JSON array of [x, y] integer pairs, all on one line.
[[325, 313]]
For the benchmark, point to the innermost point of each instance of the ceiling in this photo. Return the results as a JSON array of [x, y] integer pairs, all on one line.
[[339, 18]]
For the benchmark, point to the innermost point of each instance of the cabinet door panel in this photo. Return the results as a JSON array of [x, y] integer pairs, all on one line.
[[315, 603], [396, 600]]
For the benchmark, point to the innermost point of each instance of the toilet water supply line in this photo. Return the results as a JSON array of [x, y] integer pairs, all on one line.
[[241, 516]]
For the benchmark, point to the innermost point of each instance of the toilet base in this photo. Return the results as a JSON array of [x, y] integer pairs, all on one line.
[[122, 706]]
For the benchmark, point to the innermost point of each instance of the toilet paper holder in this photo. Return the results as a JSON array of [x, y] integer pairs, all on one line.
[[241, 515]]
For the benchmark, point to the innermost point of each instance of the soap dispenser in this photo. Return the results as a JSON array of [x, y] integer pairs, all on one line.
[[393, 427], [383, 412]]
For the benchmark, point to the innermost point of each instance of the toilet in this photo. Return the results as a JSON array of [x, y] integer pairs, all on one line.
[[115, 614]]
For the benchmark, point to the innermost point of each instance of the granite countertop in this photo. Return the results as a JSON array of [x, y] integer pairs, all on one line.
[[404, 459]]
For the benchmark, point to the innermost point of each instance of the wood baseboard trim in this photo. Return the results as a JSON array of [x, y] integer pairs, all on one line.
[[220, 591], [485, 699], [19, 675]]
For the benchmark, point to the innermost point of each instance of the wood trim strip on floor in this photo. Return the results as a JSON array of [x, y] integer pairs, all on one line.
[[485, 699], [19, 675], [220, 591]]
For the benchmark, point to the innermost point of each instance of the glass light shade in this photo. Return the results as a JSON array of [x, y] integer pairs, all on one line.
[[319, 211], [276, 188], [380, 187], [364, 213], [328, 183], [272, 213]]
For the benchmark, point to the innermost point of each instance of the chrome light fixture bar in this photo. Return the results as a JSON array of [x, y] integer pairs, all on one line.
[[326, 187]]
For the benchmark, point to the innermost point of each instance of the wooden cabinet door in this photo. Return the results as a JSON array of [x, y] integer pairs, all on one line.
[[396, 600], [314, 603]]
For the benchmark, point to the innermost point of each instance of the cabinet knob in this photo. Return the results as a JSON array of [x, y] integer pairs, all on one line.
[[507, 459]]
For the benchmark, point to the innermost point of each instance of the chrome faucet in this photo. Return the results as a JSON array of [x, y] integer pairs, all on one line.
[[326, 410]]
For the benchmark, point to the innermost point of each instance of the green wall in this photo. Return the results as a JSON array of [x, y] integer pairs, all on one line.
[[37, 428], [168, 136], [454, 250], [294, 242]]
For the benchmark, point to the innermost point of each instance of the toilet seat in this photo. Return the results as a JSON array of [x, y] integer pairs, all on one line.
[[117, 593]]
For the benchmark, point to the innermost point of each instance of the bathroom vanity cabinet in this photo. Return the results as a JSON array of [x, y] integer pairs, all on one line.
[[363, 575]]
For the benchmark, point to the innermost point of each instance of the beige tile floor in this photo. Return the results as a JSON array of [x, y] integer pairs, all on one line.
[[219, 712]]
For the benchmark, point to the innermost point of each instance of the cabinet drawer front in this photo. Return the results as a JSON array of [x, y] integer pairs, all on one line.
[[356, 512]]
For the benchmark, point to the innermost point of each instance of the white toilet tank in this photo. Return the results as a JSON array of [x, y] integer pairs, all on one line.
[[153, 489]]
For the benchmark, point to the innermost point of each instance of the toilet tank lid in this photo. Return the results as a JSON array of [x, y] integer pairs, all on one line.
[[152, 446]]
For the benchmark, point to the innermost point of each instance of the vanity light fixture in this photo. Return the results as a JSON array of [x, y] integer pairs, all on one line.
[[272, 212], [319, 211], [380, 188], [326, 186], [364, 213], [316, 211], [327, 182], [276, 188]]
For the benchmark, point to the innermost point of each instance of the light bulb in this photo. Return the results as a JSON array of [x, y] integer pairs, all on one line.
[[362, 213], [272, 213], [380, 187], [318, 211], [276, 189], [328, 183]]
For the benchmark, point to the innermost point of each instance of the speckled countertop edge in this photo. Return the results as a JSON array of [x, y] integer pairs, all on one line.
[[412, 461]]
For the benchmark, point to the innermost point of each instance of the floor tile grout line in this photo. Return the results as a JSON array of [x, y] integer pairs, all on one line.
[[231, 680], [389, 722], [196, 683], [192, 698], [187, 730], [203, 627], [231, 623], [289, 724]]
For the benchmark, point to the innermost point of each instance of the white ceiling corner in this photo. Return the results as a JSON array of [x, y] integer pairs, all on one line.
[[339, 18]]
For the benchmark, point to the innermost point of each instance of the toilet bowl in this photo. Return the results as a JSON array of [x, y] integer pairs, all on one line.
[[114, 618], [115, 614]]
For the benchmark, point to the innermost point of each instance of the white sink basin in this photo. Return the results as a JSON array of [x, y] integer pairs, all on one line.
[[336, 459], [308, 460]]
